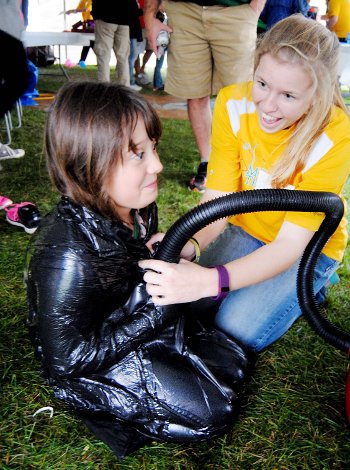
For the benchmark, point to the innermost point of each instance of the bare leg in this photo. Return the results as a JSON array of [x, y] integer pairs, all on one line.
[[199, 113], [137, 65], [145, 59]]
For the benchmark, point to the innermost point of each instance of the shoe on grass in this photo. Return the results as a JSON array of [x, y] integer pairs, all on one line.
[[158, 88], [25, 215], [143, 79], [4, 202], [82, 64], [198, 182], [136, 87], [7, 153]]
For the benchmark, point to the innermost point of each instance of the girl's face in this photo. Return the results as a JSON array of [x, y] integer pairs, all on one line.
[[282, 93], [133, 180]]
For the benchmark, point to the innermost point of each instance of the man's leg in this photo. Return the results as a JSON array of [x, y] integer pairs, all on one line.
[[200, 116], [104, 33], [121, 49]]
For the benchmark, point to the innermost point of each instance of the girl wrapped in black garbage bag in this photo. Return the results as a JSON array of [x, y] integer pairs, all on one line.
[[119, 361]]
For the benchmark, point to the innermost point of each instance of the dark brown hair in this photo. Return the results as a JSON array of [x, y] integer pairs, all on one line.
[[88, 125]]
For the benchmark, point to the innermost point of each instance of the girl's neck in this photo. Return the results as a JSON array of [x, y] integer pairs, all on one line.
[[127, 218]]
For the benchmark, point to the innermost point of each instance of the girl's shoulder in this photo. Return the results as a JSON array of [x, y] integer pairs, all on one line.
[[236, 102], [339, 124], [237, 91]]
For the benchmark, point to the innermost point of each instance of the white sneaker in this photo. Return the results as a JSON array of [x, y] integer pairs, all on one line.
[[136, 87], [143, 79], [7, 153]]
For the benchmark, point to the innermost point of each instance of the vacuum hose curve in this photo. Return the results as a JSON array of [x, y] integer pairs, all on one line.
[[271, 200]]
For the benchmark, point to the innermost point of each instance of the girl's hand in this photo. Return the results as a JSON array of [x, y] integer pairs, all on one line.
[[188, 251], [156, 238], [171, 283]]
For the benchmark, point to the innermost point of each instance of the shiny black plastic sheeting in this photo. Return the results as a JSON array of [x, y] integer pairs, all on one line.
[[272, 200], [121, 363]]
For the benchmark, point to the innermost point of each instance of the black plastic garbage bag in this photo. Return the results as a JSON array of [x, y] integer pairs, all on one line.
[[130, 372], [117, 360]]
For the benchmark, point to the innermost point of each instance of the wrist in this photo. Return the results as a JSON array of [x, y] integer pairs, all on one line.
[[196, 250], [223, 285]]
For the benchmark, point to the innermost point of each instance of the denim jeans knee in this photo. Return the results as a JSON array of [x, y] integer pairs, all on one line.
[[260, 314]]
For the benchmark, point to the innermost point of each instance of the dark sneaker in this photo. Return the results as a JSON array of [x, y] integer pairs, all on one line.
[[25, 215], [198, 182]]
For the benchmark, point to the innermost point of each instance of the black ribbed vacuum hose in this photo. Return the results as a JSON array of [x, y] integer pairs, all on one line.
[[271, 200]]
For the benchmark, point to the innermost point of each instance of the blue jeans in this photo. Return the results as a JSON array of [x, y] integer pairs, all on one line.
[[132, 58], [259, 314], [157, 76]]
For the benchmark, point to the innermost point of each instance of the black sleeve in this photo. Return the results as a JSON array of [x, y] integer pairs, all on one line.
[[13, 71], [67, 304]]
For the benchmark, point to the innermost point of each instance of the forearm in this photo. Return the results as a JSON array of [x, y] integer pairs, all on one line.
[[150, 9], [331, 21], [209, 233], [257, 5], [271, 260]]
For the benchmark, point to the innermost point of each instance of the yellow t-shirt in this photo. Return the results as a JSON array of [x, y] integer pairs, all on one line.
[[86, 14], [243, 154], [341, 9]]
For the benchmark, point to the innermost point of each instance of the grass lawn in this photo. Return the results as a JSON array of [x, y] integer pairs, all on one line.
[[292, 416]]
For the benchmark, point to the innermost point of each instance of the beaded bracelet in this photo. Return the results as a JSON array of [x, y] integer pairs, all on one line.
[[196, 248]]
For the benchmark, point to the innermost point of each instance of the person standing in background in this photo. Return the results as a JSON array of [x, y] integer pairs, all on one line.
[[84, 7], [338, 18], [112, 32], [136, 44], [158, 84], [276, 10], [13, 70], [211, 46]]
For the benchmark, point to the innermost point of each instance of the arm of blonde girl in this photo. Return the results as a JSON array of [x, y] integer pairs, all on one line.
[[169, 283], [204, 237]]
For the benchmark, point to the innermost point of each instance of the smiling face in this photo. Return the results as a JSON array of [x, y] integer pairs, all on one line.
[[282, 93], [133, 180]]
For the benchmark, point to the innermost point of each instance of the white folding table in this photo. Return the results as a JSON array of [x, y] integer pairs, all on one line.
[[65, 38]]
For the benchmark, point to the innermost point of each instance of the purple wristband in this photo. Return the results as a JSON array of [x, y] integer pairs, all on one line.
[[224, 282]]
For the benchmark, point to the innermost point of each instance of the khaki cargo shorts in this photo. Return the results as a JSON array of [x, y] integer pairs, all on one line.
[[210, 47]]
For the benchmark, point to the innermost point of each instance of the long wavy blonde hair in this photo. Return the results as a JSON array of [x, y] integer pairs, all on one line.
[[303, 41]]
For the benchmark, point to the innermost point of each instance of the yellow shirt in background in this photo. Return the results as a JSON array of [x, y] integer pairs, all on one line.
[[243, 154], [341, 9], [86, 14]]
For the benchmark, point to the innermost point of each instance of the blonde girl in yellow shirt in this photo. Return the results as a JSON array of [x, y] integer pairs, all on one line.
[[289, 129]]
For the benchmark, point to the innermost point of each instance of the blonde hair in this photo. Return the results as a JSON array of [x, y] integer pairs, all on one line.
[[303, 41]]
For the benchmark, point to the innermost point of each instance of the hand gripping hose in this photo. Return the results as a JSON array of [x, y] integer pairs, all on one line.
[[271, 200]]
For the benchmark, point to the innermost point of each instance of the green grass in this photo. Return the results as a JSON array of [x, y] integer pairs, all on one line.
[[293, 411]]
